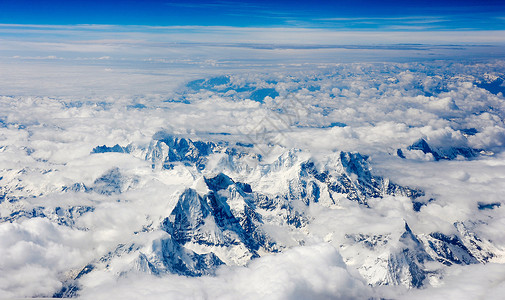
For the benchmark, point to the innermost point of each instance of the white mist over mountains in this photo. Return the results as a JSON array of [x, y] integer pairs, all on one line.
[[275, 170]]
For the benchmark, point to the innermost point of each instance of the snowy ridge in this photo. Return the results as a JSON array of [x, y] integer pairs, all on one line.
[[285, 178], [219, 220]]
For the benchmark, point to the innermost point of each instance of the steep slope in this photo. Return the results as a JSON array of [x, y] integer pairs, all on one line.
[[235, 206]]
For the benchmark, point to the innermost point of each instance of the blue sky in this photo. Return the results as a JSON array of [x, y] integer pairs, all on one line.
[[345, 15]]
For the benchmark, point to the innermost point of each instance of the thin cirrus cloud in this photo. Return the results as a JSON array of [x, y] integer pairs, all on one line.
[[416, 23], [233, 34]]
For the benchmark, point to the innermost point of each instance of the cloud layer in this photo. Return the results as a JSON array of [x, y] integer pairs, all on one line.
[[65, 98], [315, 272]]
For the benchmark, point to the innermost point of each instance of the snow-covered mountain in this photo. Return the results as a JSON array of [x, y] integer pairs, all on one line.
[[296, 175], [237, 203]]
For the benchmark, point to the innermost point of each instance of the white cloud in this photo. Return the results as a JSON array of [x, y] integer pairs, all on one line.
[[52, 116], [315, 272], [36, 254], [467, 282]]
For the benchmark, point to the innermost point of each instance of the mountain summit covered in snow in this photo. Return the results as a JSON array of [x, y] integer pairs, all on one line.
[[358, 181]]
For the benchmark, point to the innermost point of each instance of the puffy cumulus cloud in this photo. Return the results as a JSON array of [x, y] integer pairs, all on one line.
[[309, 272], [45, 143], [457, 188], [383, 106], [36, 255], [491, 137], [466, 282]]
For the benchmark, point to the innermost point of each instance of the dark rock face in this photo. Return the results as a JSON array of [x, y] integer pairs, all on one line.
[[219, 182], [364, 185], [178, 260], [462, 248], [188, 215], [69, 290], [414, 255], [450, 250], [369, 241], [484, 206], [209, 219], [166, 149], [403, 259], [447, 153], [109, 183], [76, 187], [116, 148], [112, 182], [227, 220], [60, 215], [422, 145]]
